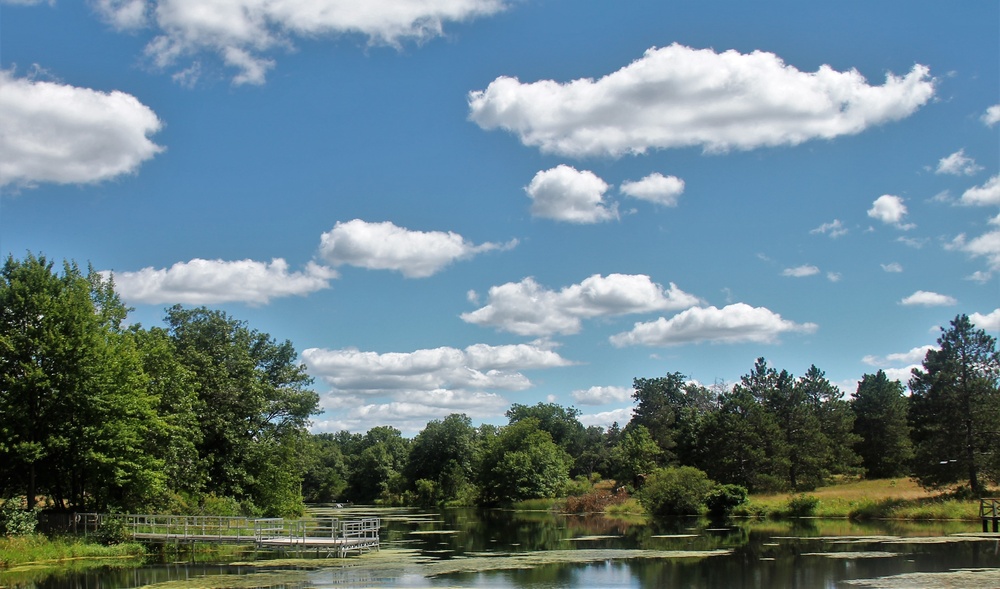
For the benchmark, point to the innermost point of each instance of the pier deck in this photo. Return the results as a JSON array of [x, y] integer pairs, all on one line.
[[329, 536]]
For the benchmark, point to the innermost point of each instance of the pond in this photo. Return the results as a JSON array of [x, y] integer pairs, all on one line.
[[507, 549]]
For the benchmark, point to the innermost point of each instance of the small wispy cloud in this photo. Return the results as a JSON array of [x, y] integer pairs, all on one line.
[[957, 164], [800, 271], [834, 229]]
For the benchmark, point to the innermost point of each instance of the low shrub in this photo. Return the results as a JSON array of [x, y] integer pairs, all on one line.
[[16, 520], [675, 491], [802, 506], [113, 530], [723, 499]]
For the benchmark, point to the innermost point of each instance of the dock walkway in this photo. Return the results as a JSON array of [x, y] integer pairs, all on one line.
[[328, 536]]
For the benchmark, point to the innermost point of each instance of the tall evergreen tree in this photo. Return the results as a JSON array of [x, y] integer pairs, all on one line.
[[836, 421], [880, 423], [955, 409], [743, 444]]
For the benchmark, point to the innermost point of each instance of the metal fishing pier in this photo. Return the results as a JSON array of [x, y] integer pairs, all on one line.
[[325, 536]]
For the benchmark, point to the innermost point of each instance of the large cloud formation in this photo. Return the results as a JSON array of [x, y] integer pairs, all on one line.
[[737, 323], [54, 132], [209, 282], [677, 96], [386, 246], [527, 308], [477, 367], [242, 31], [407, 389]]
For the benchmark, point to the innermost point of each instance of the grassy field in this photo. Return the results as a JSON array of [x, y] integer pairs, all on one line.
[[876, 499]]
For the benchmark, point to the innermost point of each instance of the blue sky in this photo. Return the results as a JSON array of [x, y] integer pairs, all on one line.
[[455, 205]]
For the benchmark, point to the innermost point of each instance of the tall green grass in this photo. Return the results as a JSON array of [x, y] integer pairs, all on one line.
[[36, 548]]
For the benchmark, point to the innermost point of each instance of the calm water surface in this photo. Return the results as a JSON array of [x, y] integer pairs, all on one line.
[[462, 548]]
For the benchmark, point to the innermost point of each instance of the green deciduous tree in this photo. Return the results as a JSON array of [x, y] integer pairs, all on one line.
[[75, 411], [254, 403], [636, 455], [955, 409], [521, 462], [324, 478], [561, 423], [880, 423], [442, 453], [377, 461]]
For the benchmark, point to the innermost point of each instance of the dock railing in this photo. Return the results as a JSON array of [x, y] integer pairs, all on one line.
[[328, 533], [989, 511]]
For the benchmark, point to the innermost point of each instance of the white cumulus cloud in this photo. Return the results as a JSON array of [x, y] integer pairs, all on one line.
[[988, 322], [892, 267], [527, 308], [408, 413], [925, 298], [242, 32], [603, 395], [655, 188], [53, 132], [736, 323], [986, 195], [913, 357], [890, 210], [957, 164], [992, 115], [564, 193], [986, 246], [606, 418], [385, 246], [208, 282], [678, 96], [476, 368]]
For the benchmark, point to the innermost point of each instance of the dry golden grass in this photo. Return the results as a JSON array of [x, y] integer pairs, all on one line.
[[875, 490], [871, 499]]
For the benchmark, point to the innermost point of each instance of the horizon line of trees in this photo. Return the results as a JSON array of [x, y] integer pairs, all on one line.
[[207, 413]]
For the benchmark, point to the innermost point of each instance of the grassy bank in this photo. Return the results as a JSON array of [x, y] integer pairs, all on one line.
[[876, 499], [38, 549]]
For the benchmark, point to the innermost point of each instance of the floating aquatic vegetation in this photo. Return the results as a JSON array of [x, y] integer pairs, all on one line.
[[965, 578], [855, 555], [282, 579], [942, 539]]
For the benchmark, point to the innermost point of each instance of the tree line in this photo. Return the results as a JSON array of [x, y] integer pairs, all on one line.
[[96, 414], [208, 414]]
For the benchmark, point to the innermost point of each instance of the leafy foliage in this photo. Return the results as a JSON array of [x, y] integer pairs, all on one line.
[[16, 520], [675, 491], [75, 413], [802, 505], [723, 499], [521, 462]]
